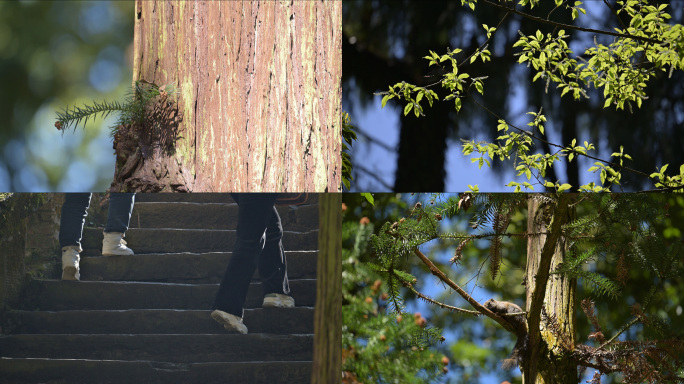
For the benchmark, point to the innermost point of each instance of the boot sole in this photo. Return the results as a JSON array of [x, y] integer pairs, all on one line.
[[227, 324]]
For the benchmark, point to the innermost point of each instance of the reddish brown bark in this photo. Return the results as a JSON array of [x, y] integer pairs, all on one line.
[[260, 95]]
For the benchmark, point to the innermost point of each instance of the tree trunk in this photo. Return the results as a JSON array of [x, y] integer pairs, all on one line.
[[327, 362], [259, 102], [554, 335]]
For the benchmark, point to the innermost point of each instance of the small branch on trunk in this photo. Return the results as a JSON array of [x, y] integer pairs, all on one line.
[[437, 272]]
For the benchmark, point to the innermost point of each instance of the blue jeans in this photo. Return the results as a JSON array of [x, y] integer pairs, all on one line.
[[259, 244], [75, 210]]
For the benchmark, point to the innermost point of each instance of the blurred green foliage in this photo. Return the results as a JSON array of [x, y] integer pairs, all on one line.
[[56, 53]]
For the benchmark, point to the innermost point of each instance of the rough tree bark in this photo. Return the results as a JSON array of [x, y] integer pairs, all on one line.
[[327, 362], [259, 103], [552, 324]]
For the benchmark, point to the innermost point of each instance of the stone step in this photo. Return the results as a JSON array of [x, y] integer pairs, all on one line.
[[190, 240], [182, 267], [169, 348], [57, 295], [24, 371], [187, 215], [298, 320]]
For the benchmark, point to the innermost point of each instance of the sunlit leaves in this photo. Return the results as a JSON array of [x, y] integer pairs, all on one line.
[[621, 69], [675, 182]]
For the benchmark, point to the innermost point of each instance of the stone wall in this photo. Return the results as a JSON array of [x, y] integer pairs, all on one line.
[[16, 211], [41, 248], [29, 238]]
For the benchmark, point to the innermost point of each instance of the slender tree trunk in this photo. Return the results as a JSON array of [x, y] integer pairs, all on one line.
[[555, 333], [327, 363], [259, 103]]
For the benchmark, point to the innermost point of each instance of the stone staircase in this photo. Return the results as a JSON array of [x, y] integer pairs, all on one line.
[[145, 318]]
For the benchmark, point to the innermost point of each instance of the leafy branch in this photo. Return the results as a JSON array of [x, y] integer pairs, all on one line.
[[619, 69]]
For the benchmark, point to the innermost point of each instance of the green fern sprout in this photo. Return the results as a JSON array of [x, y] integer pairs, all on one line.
[[132, 110]]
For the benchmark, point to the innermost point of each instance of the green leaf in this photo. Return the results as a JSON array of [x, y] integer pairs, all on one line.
[[564, 187], [478, 86], [408, 108], [369, 197], [607, 103], [384, 100]]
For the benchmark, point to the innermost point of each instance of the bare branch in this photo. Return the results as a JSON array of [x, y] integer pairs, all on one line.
[[437, 272]]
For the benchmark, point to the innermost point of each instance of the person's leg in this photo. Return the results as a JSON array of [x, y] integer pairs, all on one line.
[[273, 266], [118, 219], [74, 211], [253, 219]]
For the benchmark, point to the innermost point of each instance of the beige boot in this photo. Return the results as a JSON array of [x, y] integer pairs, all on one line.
[[278, 300], [231, 323], [113, 244], [70, 261]]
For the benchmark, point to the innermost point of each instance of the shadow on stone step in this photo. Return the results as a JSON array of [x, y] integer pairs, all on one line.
[[57, 295], [25, 371], [173, 349], [206, 268]]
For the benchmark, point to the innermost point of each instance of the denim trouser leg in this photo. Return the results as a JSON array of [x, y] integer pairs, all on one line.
[[272, 262], [74, 211], [119, 213], [258, 243]]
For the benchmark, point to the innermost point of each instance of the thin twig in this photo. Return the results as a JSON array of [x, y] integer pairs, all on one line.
[[437, 272], [374, 141], [374, 175], [626, 327], [532, 135], [616, 14], [440, 304], [569, 26]]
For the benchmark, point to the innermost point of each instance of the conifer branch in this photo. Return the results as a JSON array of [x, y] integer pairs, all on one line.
[[132, 110]]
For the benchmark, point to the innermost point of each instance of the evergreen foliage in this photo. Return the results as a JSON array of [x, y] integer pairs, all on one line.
[[131, 111], [379, 347], [615, 238]]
